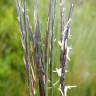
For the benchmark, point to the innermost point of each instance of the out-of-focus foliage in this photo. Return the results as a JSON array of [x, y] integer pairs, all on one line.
[[11, 63], [82, 67]]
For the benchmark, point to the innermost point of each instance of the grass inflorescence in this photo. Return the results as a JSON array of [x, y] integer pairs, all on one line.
[[39, 66]]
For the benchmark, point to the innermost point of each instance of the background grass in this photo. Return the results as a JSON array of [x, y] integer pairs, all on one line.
[[82, 67]]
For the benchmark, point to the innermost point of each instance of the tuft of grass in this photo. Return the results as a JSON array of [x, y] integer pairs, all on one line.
[[38, 53]]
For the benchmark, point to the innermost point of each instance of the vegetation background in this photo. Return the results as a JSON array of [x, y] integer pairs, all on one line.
[[82, 67]]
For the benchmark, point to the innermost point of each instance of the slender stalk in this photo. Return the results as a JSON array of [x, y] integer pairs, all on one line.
[[49, 19], [33, 79], [70, 15], [63, 52], [36, 51], [51, 47], [24, 39], [48, 25], [26, 51], [64, 42]]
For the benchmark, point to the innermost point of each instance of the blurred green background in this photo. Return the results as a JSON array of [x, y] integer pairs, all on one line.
[[82, 67]]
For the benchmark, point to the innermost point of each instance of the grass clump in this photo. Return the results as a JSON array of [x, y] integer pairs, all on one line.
[[38, 51]]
